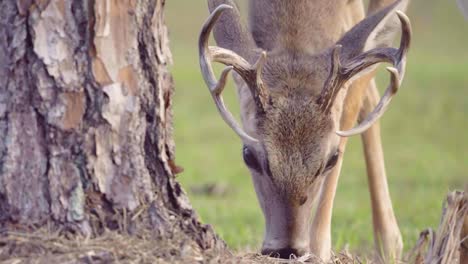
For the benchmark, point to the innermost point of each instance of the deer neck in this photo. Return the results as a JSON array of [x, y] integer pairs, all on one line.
[[304, 26]]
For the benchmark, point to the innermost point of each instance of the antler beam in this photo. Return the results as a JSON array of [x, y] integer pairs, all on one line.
[[344, 72], [250, 73], [398, 59]]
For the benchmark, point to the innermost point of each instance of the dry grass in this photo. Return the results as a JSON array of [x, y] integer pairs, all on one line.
[[111, 247], [441, 246], [342, 258], [115, 248]]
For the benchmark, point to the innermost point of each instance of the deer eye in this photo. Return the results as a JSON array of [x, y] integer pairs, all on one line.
[[332, 161], [250, 159]]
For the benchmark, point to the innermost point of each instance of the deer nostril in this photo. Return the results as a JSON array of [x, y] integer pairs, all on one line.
[[284, 253]]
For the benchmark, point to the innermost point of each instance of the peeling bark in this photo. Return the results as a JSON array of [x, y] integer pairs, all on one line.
[[86, 121]]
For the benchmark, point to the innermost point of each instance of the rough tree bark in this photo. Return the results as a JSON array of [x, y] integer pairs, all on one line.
[[85, 119], [464, 234]]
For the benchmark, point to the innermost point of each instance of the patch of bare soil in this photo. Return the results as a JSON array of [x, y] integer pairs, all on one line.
[[441, 246]]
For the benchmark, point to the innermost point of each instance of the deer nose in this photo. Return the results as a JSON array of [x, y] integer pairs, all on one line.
[[284, 253]]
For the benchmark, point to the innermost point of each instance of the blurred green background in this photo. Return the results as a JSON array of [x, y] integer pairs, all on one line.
[[424, 134]]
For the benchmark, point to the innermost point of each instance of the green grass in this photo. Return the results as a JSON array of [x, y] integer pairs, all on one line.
[[424, 134]]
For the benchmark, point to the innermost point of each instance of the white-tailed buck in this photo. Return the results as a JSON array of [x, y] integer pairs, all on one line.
[[304, 73]]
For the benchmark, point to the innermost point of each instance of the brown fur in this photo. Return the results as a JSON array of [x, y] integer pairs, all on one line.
[[293, 129], [297, 138], [280, 25], [293, 136]]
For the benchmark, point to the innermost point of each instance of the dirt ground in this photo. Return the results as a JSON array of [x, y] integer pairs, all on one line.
[[112, 247], [441, 245]]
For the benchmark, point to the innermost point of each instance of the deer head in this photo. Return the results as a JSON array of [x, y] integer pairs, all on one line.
[[291, 104]]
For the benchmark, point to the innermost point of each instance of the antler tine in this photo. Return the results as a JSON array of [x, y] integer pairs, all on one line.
[[398, 59], [327, 96], [250, 73], [216, 87], [230, 58], [259, 67], [205, 55], [260, 87], [405, 41]]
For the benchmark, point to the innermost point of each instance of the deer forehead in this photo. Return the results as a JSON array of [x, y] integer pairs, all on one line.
[[296, 72]]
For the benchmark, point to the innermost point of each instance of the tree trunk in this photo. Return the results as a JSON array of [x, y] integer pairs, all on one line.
[[464, 232], [85, 119]]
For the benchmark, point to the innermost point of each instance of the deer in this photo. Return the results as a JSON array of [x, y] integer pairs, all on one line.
[[304, 72]]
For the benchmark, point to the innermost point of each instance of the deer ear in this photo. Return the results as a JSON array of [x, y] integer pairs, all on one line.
[[377, 30], [229, 32]]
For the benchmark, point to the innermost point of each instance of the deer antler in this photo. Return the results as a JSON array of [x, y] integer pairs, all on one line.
[[344, 72], [250, 73]]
